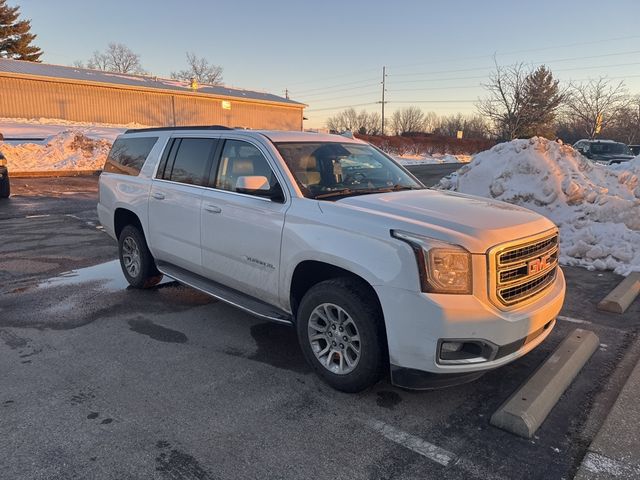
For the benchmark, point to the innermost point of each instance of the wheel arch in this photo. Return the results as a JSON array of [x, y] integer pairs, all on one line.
[[311, 272], [123, 217]]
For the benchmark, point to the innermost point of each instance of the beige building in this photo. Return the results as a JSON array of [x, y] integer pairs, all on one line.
[[35, 90]]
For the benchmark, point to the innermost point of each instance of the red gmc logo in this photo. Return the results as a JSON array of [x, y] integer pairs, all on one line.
[[539, 264]]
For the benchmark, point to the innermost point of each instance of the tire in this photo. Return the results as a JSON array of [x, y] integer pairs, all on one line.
[[5, 187], [138, 265], [343, 306]]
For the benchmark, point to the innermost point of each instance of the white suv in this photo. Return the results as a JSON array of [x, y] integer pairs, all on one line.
[[330, 235]]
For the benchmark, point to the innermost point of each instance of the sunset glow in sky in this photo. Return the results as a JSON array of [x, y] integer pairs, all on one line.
[[330, 54]]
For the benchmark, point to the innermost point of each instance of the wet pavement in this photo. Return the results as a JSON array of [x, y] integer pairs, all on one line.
[[103, 381]]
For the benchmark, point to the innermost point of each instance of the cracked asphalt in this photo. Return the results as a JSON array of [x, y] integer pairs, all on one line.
[[104, 382]]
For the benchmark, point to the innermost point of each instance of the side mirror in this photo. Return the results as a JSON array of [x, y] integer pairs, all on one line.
[[252, 183], [259, 185]]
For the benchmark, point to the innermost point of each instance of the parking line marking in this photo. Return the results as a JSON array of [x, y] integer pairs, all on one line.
[[416, 444], [37, 216], [572, 320]]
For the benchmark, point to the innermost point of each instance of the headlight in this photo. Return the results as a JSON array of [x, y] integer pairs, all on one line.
[[443, 267]]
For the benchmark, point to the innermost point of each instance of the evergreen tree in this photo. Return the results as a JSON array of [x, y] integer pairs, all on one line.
[[15, 36], [543, 99]]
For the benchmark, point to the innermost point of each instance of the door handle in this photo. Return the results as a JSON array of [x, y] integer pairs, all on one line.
[[212, 208], [158, 195]]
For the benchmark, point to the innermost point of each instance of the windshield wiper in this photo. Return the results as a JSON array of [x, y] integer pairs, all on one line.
[[334, 193], [364, 191]]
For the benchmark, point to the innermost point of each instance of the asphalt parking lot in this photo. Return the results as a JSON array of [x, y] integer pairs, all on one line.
[[101, 381]]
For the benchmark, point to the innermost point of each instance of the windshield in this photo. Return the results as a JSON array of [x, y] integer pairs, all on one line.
[[327, 170], [609, 148]]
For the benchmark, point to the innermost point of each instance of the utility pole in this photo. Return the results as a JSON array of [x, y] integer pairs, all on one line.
[[384, 78], [286, 93]]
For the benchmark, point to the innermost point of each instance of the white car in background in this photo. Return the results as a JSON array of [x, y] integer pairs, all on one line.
[[331, 236]]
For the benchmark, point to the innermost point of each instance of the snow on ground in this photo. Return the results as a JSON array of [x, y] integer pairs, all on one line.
[[431, 159], [68, 150], [596, 207], [48, 127]]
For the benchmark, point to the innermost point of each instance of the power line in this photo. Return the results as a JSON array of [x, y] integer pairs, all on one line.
[[359, 87], [340, 107], [484, 77], [553, 47], [459, 59], [432, 101], [515, 64], [306, 82], [345, 96]]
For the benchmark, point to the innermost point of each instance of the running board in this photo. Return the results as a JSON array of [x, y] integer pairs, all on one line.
[[228, 295]]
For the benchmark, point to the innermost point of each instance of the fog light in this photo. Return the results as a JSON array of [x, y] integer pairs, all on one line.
[[451, 347], [465, 351]]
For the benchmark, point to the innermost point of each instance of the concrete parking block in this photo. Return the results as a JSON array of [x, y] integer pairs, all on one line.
[[623, 295], [527, 408], [615, 452]]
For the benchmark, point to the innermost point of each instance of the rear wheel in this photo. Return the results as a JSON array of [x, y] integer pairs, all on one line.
[[340, 331], [136, 260]]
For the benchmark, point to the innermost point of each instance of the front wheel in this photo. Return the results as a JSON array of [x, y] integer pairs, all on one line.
[[136, 260], [340, 330]]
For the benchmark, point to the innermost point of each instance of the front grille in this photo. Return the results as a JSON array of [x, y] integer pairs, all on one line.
[[524, 270]]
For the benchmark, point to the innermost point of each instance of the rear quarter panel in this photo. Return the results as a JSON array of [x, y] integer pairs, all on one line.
[[127, 191]]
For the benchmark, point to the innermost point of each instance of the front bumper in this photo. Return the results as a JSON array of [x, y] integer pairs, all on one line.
[[416, 322]]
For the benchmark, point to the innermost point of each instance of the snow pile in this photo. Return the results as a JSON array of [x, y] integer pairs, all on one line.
[[597, 208], [68, 150], [47, 127], [435, 158]]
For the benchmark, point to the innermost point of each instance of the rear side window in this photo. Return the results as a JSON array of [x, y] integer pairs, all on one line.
[[127, 155], [190, 160]]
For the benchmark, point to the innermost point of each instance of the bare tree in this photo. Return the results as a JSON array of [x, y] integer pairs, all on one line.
[[200, 70], [116, 58], [628, 128], [369, 123], [407, 120], [472, 126], [596, 105], [431, 121], [507, 101], [349, 120]]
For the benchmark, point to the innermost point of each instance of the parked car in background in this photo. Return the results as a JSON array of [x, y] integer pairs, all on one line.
[[333, 237], [605, 152], [5, 189]]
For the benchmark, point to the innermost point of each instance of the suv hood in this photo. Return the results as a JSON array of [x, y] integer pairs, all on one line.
[[475, 223]]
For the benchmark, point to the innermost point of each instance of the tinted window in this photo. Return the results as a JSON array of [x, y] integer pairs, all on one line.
[[127, 155], [241, 159], [192, 161]]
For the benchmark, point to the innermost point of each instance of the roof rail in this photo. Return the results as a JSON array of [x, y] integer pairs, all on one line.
[[188, 127]]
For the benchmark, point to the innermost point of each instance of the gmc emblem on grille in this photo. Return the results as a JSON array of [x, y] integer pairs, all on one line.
[[539, 264]]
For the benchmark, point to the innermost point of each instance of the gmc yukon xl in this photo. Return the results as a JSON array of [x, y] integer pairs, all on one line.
[[328, 234]]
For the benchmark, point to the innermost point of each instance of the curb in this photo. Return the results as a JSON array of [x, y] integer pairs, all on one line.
[[529, 406], [615, 450], [619, 299]]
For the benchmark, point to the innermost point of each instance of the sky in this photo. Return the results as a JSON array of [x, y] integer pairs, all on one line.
[[329, 54]]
